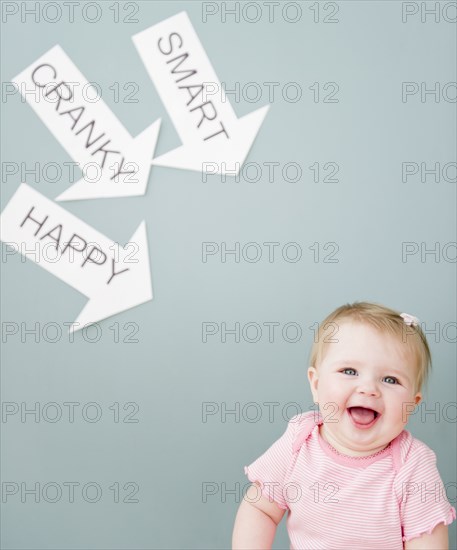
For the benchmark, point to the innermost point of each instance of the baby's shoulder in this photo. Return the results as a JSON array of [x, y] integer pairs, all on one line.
[[301, 426], [411, 452]]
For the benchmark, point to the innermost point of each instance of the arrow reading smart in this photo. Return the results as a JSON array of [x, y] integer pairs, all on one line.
[[214, 139]]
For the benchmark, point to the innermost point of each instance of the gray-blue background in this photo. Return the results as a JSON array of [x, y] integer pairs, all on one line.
[[170, 373]]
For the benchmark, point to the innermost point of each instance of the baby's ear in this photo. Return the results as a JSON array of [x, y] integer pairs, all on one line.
[[313, 381]]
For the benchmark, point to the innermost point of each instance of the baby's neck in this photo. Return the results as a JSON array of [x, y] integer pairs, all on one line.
[[344, 450]]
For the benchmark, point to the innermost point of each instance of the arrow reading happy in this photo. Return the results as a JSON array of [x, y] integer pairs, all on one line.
[[213, 137], [113, 278], [113, 163]]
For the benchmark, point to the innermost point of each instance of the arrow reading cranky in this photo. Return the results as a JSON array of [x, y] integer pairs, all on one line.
[[113, 278], [113, 163], [214, 139]]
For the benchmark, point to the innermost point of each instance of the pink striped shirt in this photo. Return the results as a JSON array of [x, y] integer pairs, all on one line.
[[339, 502]]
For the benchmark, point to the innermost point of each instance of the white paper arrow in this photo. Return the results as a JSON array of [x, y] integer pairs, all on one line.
[[113, 163], [213, 138], [113, 278]]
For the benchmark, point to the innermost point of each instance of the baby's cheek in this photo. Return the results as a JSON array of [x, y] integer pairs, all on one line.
[[401, 410]]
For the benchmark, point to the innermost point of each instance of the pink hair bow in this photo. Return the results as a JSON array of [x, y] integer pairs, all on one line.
[[410, 319]]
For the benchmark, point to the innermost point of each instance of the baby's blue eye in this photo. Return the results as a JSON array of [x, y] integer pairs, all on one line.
[[346, 371], [395, 380]]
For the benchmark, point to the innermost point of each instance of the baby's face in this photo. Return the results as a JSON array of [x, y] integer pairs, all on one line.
[[365, 387]]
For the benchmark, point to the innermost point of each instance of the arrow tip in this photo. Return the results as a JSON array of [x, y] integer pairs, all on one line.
[[129, 286], [138, 155], [217, 156]]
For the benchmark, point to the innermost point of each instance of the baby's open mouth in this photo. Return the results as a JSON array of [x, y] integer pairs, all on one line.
[[362, 416]]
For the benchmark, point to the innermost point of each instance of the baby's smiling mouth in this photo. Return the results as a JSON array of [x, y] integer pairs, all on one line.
[[363, 417]]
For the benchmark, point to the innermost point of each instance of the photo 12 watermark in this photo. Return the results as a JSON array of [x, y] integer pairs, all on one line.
[[429, 252], [270, 12], [429, 92], [432, 172], [51, 492], [52, 332], [429, 12], [51, 92], [269, 252], [268, 91], [271, 172], [271, 332], [290, 492], [70, 12], [70, 412]]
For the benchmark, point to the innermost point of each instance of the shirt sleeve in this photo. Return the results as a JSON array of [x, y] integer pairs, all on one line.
[[271, 468], [422, 494]]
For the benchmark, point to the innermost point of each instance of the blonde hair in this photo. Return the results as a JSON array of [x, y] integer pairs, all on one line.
[[383, 319]]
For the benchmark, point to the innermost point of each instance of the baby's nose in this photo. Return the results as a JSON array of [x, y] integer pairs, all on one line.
[[368, 388]]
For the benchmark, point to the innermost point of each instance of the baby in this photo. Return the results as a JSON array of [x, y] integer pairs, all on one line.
[[350, 476]]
